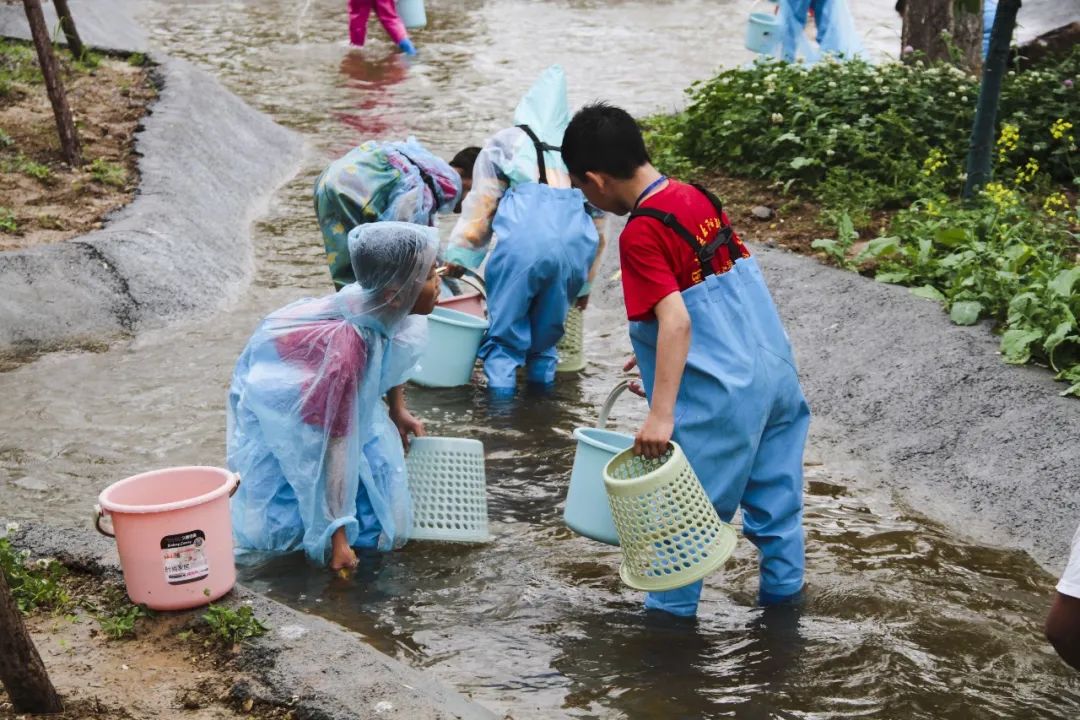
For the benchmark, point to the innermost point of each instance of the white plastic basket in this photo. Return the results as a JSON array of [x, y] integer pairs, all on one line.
[[669, 531], [572, 345], [449, 489]]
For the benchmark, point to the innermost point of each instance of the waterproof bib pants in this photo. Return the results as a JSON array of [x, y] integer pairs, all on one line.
[[742, 420], [546, 243]]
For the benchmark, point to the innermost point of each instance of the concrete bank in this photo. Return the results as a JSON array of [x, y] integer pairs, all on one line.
[[182, 247], [312, 666]]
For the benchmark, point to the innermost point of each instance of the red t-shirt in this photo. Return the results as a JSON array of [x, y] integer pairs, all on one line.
[[656, 261], [335, 356]]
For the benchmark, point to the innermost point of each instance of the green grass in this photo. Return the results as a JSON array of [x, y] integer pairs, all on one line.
[[108, 173], [7, 221]]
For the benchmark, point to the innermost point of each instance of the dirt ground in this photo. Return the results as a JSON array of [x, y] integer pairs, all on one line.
[[167, 670], [42, 199]]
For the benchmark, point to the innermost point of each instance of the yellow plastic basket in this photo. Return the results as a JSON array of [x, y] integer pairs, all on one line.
[[572, 346], [670, 533]]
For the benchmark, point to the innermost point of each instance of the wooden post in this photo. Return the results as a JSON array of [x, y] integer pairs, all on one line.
[[981, 150], [67, 22], [21, 670], [65, 126]]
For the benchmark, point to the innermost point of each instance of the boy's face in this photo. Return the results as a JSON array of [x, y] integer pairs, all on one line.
[[598, 189], [429, 294]]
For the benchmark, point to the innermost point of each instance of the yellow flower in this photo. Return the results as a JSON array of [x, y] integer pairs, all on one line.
[[1027, 173], [1000, 195], [1007, 141], [1055, 203], [933, 162], [1060, 128]]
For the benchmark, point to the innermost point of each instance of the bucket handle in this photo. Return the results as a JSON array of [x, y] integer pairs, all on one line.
[[99, 514], [475, 282], [605, 409]]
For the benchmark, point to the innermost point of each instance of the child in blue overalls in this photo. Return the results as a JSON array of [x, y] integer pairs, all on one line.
[[715, 360]]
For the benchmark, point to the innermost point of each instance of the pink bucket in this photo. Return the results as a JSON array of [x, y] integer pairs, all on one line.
[[471, 303], [174, 535]]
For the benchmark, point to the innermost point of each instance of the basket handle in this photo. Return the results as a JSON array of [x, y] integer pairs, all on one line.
[[605, 409], [474, 281], [99, 515]]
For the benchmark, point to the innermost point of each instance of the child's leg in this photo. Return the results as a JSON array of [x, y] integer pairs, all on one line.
[[359, 11], [386, 11], [547, 317], [680, 601], [773, 500], [510, 332], [821, 9]]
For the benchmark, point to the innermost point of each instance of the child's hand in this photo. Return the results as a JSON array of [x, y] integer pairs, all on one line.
[[451, 270], [653, 437], [407, 424], [630, 363], [342, 557], [635, 385]]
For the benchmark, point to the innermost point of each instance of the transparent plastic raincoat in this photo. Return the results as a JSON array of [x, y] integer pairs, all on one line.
[[508, 159], [380, 181], [308, 431], [834, 30]]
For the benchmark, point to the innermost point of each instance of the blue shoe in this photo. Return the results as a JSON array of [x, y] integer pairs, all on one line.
[[407, 47]]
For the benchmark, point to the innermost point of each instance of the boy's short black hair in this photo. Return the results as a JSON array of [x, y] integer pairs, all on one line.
[[603, 138], [465, 159]]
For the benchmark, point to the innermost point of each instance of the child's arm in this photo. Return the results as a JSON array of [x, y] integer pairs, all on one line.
[[672, 347], [406, 422]]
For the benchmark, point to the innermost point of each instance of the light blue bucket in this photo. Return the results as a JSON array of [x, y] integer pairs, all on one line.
[[588, 511], [453, 340], [412, 13], [762, 33]]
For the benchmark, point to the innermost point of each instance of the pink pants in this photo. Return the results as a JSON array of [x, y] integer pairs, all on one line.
[[360, 10]]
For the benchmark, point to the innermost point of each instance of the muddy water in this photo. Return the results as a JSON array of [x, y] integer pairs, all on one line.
[[902, 620]]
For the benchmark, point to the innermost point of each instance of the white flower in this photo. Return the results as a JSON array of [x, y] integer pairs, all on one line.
[[727, 122], [759, 98], [12, 527], [952, 94], [832, 84], [777, 118], [864, 89], [963, 98], [749, 96], [830, 152]]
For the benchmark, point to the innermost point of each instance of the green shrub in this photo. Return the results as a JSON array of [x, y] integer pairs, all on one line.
[[1001, 260], [34, 585]]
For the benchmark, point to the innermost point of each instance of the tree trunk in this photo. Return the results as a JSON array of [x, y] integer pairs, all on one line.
[[67, 22], [21, 670], [980, 154], [931, 26], [69, 140]]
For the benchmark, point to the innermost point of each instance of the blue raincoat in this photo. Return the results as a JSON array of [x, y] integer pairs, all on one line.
[[547, 239], [308, 431], [834, 30], [742, 420]]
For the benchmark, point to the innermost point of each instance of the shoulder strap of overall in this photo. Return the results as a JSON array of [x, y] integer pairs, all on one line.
[[725, 236], [670, 221], [540, 148]]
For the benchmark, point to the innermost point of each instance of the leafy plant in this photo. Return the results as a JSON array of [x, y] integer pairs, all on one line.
[[5, 139], [838, 249], [138, 60], [233, 626], [108, 173], [7, 221], [33, 585], [121, 623]]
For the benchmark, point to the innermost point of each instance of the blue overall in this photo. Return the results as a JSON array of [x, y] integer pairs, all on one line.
[[742, 420], [546, 244]]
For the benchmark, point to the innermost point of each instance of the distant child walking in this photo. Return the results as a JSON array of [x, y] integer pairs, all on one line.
[[715, 360], [386, 11]]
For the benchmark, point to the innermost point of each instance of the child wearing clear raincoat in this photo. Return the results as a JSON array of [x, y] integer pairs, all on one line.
[[385, 181], [715, 361], [321, 455], [548, 240]]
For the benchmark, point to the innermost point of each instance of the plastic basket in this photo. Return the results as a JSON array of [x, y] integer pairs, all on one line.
[[670, 533], [762, 33], [453, 340], [449, 489], [587, 510], [572, 345], [412, 13]]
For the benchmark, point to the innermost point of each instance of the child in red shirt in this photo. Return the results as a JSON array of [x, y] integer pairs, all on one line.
[[715, 361]]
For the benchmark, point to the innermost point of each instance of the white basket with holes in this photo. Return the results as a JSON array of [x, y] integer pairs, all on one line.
[[670, 533], [449, 489]]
